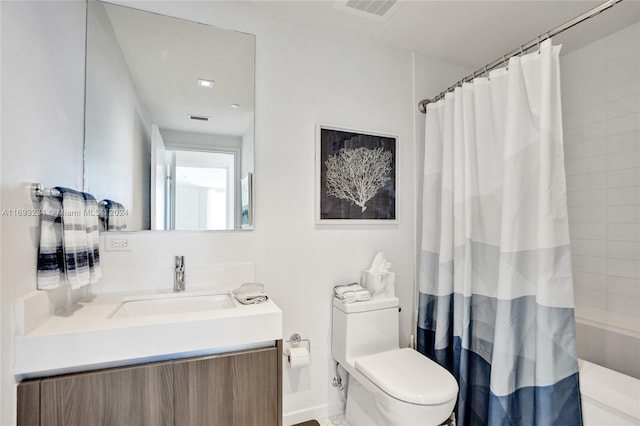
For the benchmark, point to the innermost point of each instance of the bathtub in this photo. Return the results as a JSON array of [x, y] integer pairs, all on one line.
[[609, 398]]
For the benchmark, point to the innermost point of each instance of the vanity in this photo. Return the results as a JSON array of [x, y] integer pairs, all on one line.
[[197, 358], [162, 152]]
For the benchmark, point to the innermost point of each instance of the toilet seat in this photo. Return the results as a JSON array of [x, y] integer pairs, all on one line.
[[409, 376]]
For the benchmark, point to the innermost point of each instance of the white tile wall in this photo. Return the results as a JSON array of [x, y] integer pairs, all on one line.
[[601, 110]]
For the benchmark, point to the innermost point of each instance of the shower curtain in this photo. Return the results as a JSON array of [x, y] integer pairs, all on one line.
[[495, 285]]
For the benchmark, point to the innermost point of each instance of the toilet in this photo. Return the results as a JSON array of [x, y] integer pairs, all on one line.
[[388, 385]]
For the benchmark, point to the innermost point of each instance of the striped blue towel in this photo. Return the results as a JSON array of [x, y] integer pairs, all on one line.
[[113, 216], [50, 253], [93, 236], [69, 240], [117, 218]]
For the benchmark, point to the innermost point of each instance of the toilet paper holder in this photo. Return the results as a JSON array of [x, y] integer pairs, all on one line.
[[296, 341]]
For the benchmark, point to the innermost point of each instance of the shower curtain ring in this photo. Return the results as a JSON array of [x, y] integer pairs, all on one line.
[[538, 40], [521, 52]]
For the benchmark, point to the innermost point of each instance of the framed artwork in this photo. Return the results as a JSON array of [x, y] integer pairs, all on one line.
[[246, 196], [356, 176]]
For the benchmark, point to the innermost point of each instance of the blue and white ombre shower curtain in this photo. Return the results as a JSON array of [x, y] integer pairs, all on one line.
[[495, 285]]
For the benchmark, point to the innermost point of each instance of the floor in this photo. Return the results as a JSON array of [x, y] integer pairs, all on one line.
[[329, 421], [338, 420]]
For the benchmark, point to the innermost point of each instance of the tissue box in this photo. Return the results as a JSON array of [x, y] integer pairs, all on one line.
[[379, 284]]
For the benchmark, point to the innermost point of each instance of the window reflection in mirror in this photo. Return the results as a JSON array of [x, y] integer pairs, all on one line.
[[169, 118], [201, 191]]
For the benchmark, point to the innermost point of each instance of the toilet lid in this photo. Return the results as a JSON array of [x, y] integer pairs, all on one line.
[[409, 376]]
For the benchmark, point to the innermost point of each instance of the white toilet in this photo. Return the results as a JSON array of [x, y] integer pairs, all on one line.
[[388, 386]]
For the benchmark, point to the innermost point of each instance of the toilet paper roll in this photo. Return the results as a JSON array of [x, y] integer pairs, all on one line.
[[297, 357]]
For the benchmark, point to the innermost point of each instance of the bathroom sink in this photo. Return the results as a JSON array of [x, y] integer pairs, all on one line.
[[148, 327], [173, 303]]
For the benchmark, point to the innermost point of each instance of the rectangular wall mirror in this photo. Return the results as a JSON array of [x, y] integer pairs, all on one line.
[[169, 121]]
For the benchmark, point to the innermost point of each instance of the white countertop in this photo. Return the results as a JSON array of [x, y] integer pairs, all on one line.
[[89, 339]]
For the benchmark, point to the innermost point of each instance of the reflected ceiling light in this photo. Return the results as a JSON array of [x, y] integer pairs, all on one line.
[[234, 106], [205, 83]]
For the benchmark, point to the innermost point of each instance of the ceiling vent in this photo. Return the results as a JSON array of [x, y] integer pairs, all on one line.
[[379, 10], [199, 117]]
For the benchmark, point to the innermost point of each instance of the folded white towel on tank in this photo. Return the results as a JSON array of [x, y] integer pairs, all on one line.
[[351, 293]]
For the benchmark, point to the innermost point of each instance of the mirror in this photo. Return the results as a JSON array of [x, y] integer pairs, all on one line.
[[169, 121]]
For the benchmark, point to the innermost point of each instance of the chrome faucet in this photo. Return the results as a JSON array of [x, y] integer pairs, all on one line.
[[178, 276]]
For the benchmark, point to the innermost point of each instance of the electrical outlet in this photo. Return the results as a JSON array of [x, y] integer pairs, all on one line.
[[117, 244]]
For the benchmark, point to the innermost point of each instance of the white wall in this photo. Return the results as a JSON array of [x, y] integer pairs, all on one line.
[[601, 107], [41, 136], [118, 130], [4, 383], [314, 77]]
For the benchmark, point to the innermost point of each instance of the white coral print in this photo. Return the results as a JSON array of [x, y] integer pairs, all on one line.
[[357, 174]]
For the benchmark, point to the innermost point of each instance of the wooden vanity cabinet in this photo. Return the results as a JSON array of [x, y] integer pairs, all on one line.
[[233, 389], [29, 403], [141, 395]]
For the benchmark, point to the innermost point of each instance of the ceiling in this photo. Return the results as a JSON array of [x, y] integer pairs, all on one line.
[[165, 64], [166, 57], [468, 33]]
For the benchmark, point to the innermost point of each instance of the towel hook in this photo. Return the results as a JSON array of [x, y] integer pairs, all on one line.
[[36, 192]]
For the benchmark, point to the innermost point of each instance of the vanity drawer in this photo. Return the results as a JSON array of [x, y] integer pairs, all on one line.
[[141, 395], [231, 389]]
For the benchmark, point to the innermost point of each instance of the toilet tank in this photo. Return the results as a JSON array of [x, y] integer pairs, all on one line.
[[364, 328]]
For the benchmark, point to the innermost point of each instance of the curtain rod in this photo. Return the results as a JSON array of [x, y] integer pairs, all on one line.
[[422, 105]]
